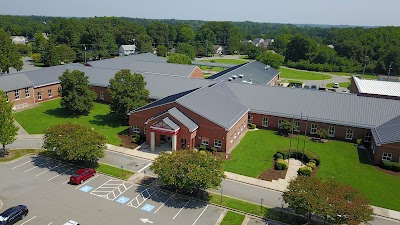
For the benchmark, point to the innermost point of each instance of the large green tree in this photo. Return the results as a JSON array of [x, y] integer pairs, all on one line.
[[300, 47], [189, 170], [74, 142], [271, 58], [161, 50], [77, 97], [8, 130], [186, 34], [186, 49], [179, 58], [39, 45], [128, 92], [9, 55], [65, 54]]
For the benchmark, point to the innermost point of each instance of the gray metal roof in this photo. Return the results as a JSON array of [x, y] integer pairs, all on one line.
[[377, 87], [145, 67], [202, 63], [10, 82], [214, 106], [171, 123], [178, 115], [149, 57], [319, 106], [253, 72], [388, 132]]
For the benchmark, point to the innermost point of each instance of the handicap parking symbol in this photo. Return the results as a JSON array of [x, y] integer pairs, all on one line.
[[122, 200], [148, 207], [85, 188]]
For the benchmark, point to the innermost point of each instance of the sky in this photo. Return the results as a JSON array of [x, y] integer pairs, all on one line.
[[332, 12]]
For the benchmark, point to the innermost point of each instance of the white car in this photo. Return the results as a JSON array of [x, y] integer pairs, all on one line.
[[336, 85], [71, 222]]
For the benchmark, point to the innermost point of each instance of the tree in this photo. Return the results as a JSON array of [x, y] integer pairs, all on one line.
[[286, 127], [179, 59], [50, 56], [322, 133], [9, 55], [40, 43], [161, 50], [143, 43], [300, 47], [74, 142], [77, 97], [187, 49], [186, 34], [270, 58], [128, 92], [8, 130], [65, 54], [251, 50], [189, 170], [36, 57]]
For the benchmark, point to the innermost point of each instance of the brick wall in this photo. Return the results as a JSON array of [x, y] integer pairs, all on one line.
[[393, 148], [44, 90], [23, 101], [197, 73], [98, 90], [239, 128], [353, 87], [274, 80]]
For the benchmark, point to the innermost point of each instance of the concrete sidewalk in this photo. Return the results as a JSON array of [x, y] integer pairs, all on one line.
[[279, 185]]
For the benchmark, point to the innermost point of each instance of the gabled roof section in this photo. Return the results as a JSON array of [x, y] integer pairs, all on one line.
[[166, 123], [214, 106], [186, 121], [10, 82], [388, 132], [253, 72], [376, 87], [128, 47]]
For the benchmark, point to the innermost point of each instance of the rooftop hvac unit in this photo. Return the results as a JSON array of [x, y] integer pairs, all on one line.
[[267, 67], [230, 79], [241, 76], [234, 76]]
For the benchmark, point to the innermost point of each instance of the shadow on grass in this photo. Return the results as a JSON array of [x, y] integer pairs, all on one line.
[[106, 120], [59, 113], [364, 156]]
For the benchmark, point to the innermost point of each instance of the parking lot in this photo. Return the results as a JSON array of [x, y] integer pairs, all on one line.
[[42, 185]]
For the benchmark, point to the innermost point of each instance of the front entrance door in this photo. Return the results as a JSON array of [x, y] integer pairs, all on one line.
[[168, 138]]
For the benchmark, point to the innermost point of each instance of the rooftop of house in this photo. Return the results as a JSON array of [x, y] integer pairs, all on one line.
[[376, 87], [128, 47], [10, 82]]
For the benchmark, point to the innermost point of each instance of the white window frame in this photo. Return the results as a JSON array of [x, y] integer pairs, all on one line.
[[238, 131], [231, 138], [205, 141], [101, 95], [280, 121], [250, 119], [16, 94], [387, 156], [349, 134], [235, 135], [27, 94], [314, 128], [136, 129], [331, 131], [217, 143], [144, 130], [265, 122], [39, 96], [296, 126], [368, 136], [50, 93]]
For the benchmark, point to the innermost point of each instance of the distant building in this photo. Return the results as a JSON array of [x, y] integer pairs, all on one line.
[[375, 88], [126, 50], [19, 40], [258, 41]]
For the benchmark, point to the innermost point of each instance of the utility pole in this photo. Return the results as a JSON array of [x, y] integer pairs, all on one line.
[[390, 68], [365, 63], [85, 53]]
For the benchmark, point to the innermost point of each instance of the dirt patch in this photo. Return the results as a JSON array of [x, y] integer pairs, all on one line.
[[272, 174], [223, 156], [126, 141]]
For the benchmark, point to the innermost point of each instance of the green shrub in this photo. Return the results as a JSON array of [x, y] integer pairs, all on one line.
[[305, 171], [252, 126], [359, 141], [311, 165], [389, 165], [214, 149], [135, 138], [278, 156], [308, 155], [281, 164], [322, 133], [203, 147]]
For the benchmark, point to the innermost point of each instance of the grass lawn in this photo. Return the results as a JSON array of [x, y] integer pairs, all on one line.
[[340, 160], [227, 61], [15, 154], [232, 218], [365, 76], [206, 69], [50, 113], [302, 75], [342, 85], [114, 171]]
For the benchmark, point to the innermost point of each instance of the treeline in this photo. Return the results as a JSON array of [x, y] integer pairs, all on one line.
[[375, 50]]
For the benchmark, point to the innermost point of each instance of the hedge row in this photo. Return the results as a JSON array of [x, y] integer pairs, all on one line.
[[389, 165], [308, 155]]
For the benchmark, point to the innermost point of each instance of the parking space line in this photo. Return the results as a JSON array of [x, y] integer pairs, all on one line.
[[35, 167], [141, 195], [50, 223], [144, 167], [63, 173], [21, 164], [28, 220], [181, 209], [65, 182], [101, 185], [47, 170], [86, 181], [162, 204], [200, 215]]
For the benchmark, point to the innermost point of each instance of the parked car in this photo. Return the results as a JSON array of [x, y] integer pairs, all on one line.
[[71, 222], [345, 91], [13, 215], [336, 85], [306, 86], [313, 87], [81, 175]]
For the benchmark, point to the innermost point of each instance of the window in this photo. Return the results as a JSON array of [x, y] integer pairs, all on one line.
[[136, 129], [265, 122], [250, 119], [234, 137], [217, 143], [314, 128], [204, 141], [231, 138], [102, 95], [7, 96], [144, 130], [280, 123], [368, 136], [241, 127], [331, 131], [49, 92], [39, 95], [387, 156], [296, 126], [16, 92], [27, 94], [238, 131], [349, 134]]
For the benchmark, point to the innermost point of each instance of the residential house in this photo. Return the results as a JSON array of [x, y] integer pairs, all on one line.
[[126, 50], [19, 40]]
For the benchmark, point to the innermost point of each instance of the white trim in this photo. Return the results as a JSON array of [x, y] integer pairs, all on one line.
[[159, 128], [349, 135], [267, 121], [314, 128], [44, 85]]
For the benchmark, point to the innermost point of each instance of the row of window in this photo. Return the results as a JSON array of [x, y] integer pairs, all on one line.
[[314, 128], [238, 131], [217, 143], [27, 94]]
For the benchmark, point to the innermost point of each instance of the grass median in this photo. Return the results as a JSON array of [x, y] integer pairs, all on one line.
[[232, 218], [287, 73], [17, 153]]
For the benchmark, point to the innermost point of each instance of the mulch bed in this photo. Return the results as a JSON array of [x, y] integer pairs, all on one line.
[[272, 174], [126, 141]]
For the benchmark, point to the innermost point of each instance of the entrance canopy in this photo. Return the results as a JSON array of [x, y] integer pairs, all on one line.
[[165, 126]]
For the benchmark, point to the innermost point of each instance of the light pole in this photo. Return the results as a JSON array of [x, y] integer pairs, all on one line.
[[365, 63], [85, 53], [261, 205], [122, 171], [222, 190], [390, 68]]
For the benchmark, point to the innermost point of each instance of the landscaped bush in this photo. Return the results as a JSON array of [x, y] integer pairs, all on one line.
[[281, 164], [308, 155], [135, 138], [203, 147], [278, 156], [252, 126], [214, 149], [305, 171], [322, 133], [311, 165], [389, 165]]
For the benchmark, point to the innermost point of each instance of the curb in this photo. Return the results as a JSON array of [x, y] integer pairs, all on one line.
[[1, 204], [140, 157], [255, 185]]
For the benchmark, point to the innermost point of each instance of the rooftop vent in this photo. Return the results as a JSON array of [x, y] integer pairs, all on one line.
[[267, 67], [241, 76], [230, 79], [234, 76]]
